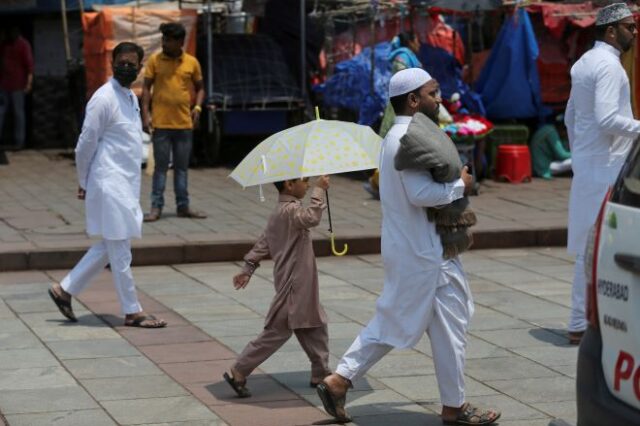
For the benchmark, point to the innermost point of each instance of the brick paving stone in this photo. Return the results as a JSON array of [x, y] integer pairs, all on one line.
[[124, 388], [187, 352], [506, 368], [44, 400], [62, 418], [35, 378], [295, 412], [503, 370], [197, 371], [537, 390], [91, 349], [11, 359], [171, 334], [111, 367], [137, 411]]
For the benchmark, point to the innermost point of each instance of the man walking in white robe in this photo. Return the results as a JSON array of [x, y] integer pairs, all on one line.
[[422, 291], [601, 131], [108, 158]]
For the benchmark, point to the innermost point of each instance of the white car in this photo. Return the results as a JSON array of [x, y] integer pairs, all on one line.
[[608, 376]]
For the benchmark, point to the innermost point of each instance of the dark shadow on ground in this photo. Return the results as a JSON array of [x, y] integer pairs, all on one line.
[[294, 386], [558, 338]]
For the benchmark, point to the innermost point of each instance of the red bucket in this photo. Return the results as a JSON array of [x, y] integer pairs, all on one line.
[[513, 163]]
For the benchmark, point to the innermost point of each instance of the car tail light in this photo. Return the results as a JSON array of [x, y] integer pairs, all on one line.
[[591, 265]]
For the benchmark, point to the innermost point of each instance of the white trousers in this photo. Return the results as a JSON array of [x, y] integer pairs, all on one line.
[[118, 255], [578, 319], [447, 330]]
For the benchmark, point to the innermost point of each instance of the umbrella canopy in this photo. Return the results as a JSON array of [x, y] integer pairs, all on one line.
[[319, 147]]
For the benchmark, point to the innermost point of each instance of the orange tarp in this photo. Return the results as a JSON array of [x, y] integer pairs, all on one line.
[[113, 25]]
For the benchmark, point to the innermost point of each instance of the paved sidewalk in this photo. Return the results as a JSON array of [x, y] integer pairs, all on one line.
[[42, 222], [56, 373]]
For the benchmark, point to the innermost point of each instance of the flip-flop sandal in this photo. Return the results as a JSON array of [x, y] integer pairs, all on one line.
[[64, 306], [471, 415], [239, 388], [140, 322], [333, 404]]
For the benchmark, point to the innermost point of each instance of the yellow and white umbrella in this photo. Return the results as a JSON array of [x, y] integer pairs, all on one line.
[[319, 147]]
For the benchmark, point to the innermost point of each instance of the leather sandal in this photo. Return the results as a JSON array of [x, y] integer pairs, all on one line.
[[333, 405], [239, 387], [472, 415], [153, 215], [64, 306]]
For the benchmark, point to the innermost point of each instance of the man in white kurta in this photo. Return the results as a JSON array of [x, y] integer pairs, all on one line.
[[601, 131], [422, 291], [108, 158]]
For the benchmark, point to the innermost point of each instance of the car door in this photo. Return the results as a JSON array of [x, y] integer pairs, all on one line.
[[618, 284]]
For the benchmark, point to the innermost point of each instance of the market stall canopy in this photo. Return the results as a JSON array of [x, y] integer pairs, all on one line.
[[461, 5], [557, 16], [46, 6]]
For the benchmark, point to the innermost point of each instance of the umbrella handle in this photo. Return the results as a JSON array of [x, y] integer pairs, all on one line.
[[333, 247]]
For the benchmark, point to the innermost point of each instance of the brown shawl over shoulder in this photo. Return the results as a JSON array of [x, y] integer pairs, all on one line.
[[427, 147]]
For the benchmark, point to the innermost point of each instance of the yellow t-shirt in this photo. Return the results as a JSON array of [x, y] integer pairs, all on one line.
[[173, 85]]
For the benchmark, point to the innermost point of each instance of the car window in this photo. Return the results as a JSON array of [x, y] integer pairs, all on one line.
[[627, 189]]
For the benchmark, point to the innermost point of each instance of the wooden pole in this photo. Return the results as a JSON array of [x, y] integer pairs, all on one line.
[[373, 49], [303, 50], [65, 29]]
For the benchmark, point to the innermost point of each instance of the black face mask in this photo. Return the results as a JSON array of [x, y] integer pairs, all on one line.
[[125, 74]]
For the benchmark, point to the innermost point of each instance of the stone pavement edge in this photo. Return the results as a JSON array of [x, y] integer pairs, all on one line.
[[42, 222]]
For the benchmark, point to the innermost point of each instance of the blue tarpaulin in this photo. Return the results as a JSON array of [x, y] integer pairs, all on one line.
[[509, 82], [442, 66], [350, 85]]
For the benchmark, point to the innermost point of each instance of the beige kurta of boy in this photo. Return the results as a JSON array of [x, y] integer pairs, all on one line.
[[287, 239]]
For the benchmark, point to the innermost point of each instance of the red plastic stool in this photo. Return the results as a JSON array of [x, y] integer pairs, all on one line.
[[513, 163]]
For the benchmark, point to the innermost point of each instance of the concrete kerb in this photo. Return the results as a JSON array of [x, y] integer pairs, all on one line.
[[229, 251]]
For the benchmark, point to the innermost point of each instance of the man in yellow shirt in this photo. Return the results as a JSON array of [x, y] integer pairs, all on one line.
[[173, 74]]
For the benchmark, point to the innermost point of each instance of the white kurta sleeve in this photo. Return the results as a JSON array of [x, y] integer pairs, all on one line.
[[423, 191], [96, 118], [609, 84], [569, 120]]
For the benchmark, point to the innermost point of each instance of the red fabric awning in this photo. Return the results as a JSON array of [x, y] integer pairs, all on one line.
[[557, 16]]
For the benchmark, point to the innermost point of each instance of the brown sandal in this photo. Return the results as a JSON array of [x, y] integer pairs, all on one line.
[[239, 387], [145, 321], [332, 404], [471, 415], [64, 306]]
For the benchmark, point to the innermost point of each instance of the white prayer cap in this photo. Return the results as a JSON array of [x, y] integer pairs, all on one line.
[[407, 80], [613, 13]]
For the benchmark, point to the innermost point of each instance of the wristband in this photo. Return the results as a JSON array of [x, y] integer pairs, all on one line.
[[198, 108]]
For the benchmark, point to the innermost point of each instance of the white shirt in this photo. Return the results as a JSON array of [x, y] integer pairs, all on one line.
[[411, 248], [108, 158], [601, 131]]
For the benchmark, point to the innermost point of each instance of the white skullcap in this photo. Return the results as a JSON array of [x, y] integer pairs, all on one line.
[[407, 80], [613, 13]]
